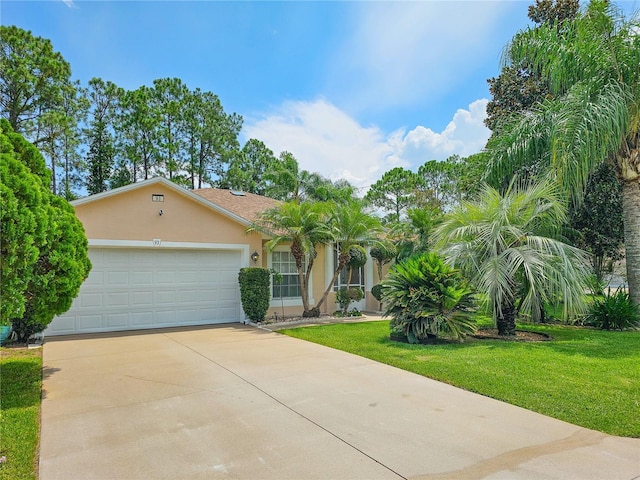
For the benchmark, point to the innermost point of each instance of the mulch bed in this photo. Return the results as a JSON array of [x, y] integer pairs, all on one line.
[[521, 336]]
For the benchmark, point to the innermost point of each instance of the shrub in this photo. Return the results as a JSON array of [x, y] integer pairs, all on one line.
[[357, 257], [425, 298], [345, 296], [376, 291], [254, 292], [613, 312]]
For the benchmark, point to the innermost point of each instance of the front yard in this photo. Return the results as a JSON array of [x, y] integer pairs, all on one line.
[[586, 377], [20, 386]]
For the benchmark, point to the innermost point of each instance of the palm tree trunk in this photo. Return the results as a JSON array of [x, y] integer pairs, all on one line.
[[506, 320], [631, 215]]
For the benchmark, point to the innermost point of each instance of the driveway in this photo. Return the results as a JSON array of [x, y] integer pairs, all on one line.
[[238, 402]]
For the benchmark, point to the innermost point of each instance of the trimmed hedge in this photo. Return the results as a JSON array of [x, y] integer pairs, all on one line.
[[254, 292]]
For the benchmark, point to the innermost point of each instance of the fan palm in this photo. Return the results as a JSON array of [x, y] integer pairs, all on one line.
[[592, 66], [501, 242]]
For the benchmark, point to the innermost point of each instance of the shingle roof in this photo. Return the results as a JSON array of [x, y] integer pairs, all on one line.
[[243, 204]]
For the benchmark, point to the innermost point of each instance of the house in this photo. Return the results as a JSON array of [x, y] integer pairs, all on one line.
[[166, 256]]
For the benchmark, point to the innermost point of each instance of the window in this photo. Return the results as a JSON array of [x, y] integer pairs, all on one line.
[[357, 275], [284, 263]]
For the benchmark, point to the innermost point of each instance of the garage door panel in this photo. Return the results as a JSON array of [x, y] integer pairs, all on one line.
[[142, 298], [141, 278], [96, 278], [164, 297], [165, 317], [141, 319], [118, 278], [189, 277], [189, 296], [90, 300], [166, 276], [89, 322], [118, 320], [146, 288], [118, 299]]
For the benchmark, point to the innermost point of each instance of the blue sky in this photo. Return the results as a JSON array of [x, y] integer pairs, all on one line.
[[352, 89]]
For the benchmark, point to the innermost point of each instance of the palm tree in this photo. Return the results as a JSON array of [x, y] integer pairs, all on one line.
[[303, 226], [592, 68], [349, 225], [501, 243]]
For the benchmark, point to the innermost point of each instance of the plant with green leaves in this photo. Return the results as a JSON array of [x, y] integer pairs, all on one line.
[[592, 116], [505, 245], [254, 292], [44, 247], [383, 253], [345, 296], [425, 298], [613, 311]]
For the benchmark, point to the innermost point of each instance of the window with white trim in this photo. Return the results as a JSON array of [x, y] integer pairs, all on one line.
[[284, 263]]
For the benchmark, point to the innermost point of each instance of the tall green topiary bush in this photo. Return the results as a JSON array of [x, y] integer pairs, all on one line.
[[425, 297], [254, 292]]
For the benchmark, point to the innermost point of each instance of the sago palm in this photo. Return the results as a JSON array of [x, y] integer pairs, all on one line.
[[592, 67], [424, 298], [502, 243]]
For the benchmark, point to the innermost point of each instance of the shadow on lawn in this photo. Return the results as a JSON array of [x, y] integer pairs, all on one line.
[[569, 341], [20, 384]]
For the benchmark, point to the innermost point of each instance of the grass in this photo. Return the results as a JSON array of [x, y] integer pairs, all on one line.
[[584, 376], [20, 385]]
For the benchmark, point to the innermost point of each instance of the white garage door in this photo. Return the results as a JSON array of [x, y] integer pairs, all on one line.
[[136, 288]]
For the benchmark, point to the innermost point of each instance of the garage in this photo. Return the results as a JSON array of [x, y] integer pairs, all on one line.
[[140, 288]]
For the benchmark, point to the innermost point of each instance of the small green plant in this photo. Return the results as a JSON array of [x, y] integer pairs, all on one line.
[[254, 292], [376, 291], [351, 313], [613, 311], [345, 296], [425, 298]]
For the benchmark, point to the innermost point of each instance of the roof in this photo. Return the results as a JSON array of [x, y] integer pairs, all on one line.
[[243, 204]]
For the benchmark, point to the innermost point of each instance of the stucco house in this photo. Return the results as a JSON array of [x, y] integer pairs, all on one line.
[[166, 256]]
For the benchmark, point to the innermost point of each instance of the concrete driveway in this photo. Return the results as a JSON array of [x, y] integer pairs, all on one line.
[[235, 401]]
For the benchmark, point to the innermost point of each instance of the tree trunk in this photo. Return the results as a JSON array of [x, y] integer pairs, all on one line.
[[631, 215], [506, 321]]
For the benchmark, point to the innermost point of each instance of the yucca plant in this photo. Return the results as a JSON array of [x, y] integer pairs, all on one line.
[[613, 311], [426, 298]]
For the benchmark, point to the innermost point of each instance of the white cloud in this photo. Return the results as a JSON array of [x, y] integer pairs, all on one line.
[[465, 135], [68, 3], [326, 140]]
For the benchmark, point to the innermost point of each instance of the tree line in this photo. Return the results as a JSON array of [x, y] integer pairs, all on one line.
[[101, 136]]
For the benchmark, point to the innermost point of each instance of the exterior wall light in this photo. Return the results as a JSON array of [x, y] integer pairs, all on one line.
[[255, 256]]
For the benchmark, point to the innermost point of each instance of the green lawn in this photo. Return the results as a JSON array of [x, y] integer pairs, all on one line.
[[586, 377], [20, 385]]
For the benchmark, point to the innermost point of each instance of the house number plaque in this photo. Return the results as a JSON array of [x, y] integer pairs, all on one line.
[[157, 242]]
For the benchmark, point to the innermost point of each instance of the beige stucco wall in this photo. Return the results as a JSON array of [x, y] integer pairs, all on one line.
[[132, 215]]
